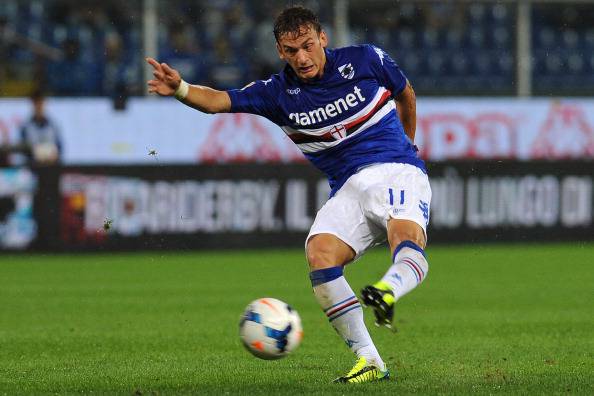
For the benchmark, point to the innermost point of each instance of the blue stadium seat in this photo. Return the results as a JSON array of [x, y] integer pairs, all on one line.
[[406, 38], [476, 37], [546, 38], [576, 64], [570, 39], [506, 62], [554, 64], [459, 63], [501, 37], [482, 63], [454, 38], [381, 37], [588, 39], [477, 14], [436, 63], [411, 63], [500, 14], [430, 38]]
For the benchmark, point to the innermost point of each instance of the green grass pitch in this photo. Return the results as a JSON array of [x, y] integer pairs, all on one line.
[[489, 319]]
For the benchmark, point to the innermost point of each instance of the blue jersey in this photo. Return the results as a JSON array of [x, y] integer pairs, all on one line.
[[343, 121]]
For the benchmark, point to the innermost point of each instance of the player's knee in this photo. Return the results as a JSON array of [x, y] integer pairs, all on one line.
[[325, 251], [417, 239], [396, 240], [319, 253], [405, 230]]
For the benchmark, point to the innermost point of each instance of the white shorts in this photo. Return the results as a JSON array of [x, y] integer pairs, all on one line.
[[359, 212]]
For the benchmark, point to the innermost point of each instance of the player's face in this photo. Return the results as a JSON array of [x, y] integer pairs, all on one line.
[[304, 53]]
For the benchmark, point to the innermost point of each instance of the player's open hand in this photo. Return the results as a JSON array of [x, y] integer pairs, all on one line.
[[166, 79]]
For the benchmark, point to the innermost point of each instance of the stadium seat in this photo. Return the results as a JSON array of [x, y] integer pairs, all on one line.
[[476, 43]]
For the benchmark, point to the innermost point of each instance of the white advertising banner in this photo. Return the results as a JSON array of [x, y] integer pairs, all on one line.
[[153, 130], [505, 128]]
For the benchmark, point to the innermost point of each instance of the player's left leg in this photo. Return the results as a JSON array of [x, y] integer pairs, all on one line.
[[399, 199], [409, 268]]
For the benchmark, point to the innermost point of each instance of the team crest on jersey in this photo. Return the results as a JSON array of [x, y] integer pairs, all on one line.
[[338, 131], [347, 71]]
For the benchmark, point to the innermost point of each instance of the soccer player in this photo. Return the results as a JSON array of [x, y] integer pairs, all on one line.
[[352, 112]]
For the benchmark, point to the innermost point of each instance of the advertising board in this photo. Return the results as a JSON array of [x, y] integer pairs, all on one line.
[[93, 132], [256, 205]]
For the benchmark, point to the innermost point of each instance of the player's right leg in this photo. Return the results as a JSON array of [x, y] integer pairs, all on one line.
[[341, 306], [339, 235]]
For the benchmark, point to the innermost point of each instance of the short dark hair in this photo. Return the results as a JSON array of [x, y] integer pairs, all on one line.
[[292, 20]]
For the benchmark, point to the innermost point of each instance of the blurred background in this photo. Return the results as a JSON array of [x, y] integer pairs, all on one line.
[[96, 48], [505, 121]]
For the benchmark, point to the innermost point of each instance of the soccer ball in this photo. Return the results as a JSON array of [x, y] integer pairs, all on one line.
[[270, 329]]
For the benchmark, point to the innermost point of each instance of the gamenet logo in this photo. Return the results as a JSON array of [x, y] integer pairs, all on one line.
[[330, 110]]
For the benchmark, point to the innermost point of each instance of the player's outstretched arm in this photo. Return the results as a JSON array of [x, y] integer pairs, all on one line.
[[168, 82], [406, 102]]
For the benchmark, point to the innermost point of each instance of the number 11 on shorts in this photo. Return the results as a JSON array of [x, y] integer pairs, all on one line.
[[391, 193]]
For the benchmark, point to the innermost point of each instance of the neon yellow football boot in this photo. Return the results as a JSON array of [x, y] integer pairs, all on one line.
[[380, 297], [363, 372]]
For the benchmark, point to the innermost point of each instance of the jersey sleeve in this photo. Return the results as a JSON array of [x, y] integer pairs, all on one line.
[[386, 69], [257, 97]]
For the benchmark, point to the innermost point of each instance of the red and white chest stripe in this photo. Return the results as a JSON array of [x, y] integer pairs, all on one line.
[[313, 140]]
